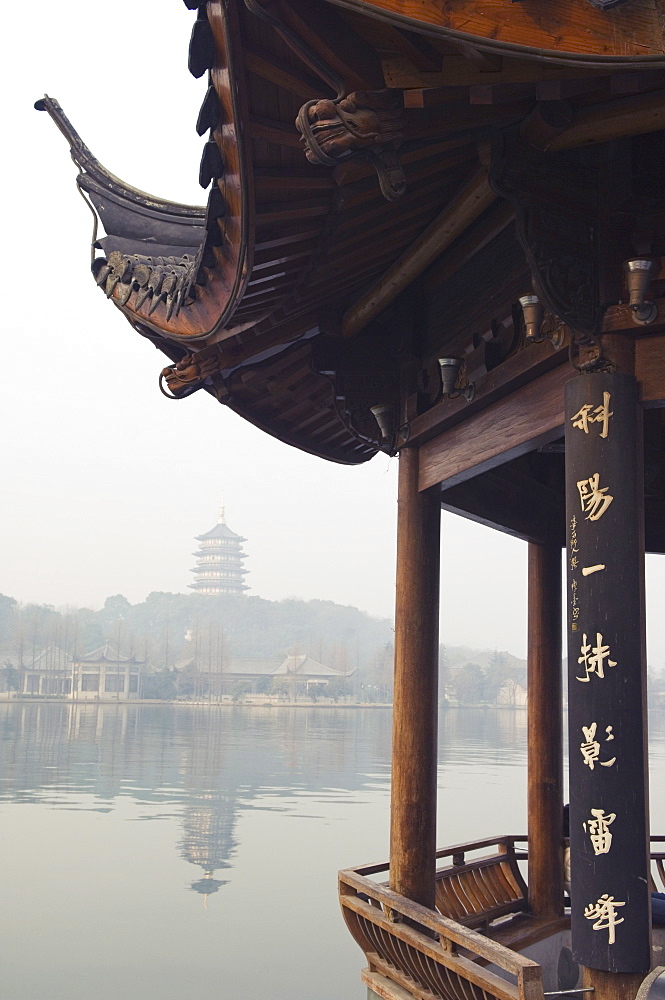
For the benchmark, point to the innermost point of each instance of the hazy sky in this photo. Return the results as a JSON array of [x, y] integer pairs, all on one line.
[[106, 481]]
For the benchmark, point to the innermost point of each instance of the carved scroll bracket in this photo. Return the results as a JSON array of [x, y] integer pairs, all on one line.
[[365, 123], [557, 214], [365, 379]]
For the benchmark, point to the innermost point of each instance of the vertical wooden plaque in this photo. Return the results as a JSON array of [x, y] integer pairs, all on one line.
[[611, 918]]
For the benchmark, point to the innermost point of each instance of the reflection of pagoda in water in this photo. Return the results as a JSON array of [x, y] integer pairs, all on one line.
[[219, 561], [210, 766], [208, 840]]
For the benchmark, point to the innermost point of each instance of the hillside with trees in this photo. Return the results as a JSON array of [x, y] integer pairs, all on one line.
[[180, 635]]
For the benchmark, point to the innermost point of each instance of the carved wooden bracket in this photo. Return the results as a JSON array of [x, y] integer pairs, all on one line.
[[191, 373], [365, 123], [557, 213], [362, 376]]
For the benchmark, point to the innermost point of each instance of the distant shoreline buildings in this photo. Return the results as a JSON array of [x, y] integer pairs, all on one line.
[[107, 675], [102, 674], [219, 561]]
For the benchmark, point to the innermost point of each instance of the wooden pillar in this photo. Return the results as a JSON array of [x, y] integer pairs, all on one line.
[[415, 712], [607, 678], [545, 733]]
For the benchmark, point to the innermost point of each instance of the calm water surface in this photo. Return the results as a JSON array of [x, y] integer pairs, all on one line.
[[165, 853]]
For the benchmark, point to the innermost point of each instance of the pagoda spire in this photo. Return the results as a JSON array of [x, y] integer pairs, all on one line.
[[222, 512]]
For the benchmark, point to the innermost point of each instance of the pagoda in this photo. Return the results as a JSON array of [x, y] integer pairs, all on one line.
[[219, 561]]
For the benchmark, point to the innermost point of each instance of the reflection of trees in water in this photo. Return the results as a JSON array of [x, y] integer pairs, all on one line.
[[211, 762], [486, 734]]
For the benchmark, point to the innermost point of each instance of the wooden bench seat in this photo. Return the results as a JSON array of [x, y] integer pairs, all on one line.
[[476, 892], [479, 892]]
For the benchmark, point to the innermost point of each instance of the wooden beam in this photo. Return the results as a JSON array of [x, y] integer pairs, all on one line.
[[545, 731], [478, 236], [628, 116], [268, 67], [654, 529], [563, 89], [469, 203], [517, 423], [457, 71], [508, 500], [650, 369], [522, 367], [334, 41], [272, 131], [499, 93], [415, 711], [452, 422], [290, 181]]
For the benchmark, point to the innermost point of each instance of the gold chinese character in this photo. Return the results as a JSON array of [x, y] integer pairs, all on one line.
[[598, 829], [574, 562], [590, 749], [588, 570], [594, 664], [604, 913], [588, 415], [594, 499]]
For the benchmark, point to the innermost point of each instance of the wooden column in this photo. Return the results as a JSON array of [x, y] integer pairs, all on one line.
[[607, 714], [415, 712], [545, 733]]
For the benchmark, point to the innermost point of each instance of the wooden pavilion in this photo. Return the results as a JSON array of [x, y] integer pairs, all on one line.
[[438, 229]]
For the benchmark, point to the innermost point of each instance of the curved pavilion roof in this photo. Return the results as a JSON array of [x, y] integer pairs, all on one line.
[[338, 134]]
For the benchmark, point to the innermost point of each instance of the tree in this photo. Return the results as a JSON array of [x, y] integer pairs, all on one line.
[[338, 687], [240, 689], [116, 607], [469, 684], [7, 610], [444, 673], [264, 684], [161, 685], [10, 677]]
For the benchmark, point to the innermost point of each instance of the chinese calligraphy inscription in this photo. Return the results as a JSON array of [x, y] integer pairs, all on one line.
[[590, 748], [588, 414], [594, 498], [598, 828], [608, 837], [593, 657], [604, 912]]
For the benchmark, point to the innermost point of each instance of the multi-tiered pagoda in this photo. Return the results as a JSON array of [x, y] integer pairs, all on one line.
[[219, 561]]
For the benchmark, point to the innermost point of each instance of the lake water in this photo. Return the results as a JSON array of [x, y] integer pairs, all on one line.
[[169, 852]]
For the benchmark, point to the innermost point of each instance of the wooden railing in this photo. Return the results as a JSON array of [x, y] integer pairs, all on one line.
[[425, 954], [429, 954], [657, 864]]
